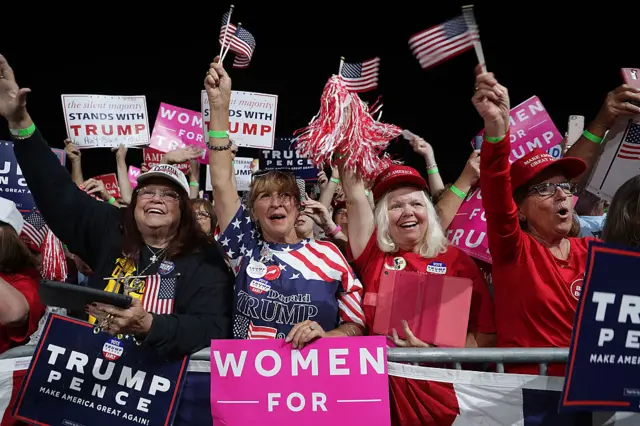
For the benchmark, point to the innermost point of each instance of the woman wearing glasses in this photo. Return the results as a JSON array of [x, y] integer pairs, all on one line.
[[286, 286], [537, 269], [154, 243]]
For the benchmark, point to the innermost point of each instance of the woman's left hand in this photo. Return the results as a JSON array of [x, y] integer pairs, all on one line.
[[134, 320], [304, 332], [411, 341]]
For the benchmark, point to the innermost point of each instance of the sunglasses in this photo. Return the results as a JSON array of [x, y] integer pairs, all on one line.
[[548, 189]]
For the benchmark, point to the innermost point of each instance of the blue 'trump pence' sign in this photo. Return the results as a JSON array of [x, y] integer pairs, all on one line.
[[602, 372], [81, 378]]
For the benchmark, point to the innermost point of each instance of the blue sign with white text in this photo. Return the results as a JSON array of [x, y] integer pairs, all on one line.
[[602, 371], [284, 156], [13, 186], [82, 378]]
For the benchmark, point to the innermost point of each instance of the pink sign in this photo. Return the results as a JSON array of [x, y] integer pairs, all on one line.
[[177, 127], [530, 128], [333, 381], [151, 157], [133, 174]]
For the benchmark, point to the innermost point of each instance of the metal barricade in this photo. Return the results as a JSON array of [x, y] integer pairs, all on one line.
[[455, 356]]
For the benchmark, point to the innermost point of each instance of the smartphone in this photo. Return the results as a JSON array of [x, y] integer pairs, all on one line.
[[631, 76], [477, 142], [575, 127]]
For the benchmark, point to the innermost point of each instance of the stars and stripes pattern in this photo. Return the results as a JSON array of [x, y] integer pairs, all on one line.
[[159, 294], [34, 229], [442, 42], [630, 148], [239, 40], [361, 76], [261, 332]]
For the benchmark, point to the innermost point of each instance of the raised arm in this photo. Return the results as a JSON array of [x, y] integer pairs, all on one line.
[[618, 103], [75, 217], [425, 150], [223, 180], [362, 221], [122, 172], [503, 229], [452, 199], [75, 158]]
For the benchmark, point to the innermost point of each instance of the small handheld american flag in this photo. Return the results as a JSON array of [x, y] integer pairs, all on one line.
[[159, 294], [442, 42], [360, 76], [630, 147], [34, 229], [238, 40]]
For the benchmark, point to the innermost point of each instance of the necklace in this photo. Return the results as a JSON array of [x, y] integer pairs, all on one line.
[[154, 257]]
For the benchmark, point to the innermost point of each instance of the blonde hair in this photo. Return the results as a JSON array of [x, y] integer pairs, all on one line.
[[433, 241]]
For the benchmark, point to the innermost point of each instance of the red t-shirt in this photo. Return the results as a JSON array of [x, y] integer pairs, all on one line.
[[370, 264], [535, 293], [27, 283]]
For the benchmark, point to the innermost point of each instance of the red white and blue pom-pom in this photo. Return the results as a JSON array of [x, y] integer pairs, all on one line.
[[54, 261], [344, 126]]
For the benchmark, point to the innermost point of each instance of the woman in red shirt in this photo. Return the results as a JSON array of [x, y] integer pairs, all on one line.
[[20, 307], [403, 239], [537, 268]]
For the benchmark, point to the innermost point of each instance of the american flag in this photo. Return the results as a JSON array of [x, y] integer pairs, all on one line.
[[260, 332], [34, 229], [159, 294], [241, 42], [361, 76], [630, 148], [442, 42]]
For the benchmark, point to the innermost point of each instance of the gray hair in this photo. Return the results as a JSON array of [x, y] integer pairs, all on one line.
[[433, 241]]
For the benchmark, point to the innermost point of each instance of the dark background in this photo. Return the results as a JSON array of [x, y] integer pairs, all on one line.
[[568, 55]]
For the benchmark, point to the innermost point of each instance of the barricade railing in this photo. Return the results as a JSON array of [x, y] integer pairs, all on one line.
[[455, 356]]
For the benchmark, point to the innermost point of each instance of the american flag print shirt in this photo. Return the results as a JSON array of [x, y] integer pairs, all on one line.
[[280, 285]]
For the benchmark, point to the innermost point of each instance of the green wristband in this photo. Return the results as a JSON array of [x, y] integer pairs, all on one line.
[[457, 192], [112, 200], [336, 181], [366, 192], [218, 134], [194, 184], [494, 140], [23, 133], [432, 171], [593, 138]]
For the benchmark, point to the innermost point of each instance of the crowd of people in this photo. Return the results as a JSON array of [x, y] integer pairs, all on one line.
[[277, 263]]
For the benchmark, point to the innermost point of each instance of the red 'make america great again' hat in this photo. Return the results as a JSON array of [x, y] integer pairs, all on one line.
[[397, 176], [531, 165]]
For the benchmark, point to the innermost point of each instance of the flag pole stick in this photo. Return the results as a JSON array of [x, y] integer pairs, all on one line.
[[224, 38], [341, 64], [229, 46], [470, 19]]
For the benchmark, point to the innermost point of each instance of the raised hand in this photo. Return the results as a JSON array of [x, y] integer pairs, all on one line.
[[121, 152], [322, 180], [491, 100], [618, 103], [73, 152], [318, 212], [13, 99], [471, 172], [182, 155], [218, 86]]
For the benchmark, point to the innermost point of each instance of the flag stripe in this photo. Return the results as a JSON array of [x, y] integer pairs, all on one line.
[[361, 76], [442, 42]]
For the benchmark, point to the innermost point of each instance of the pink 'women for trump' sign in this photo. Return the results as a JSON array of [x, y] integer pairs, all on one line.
[[333, 381], [530, 127], [177, 127]]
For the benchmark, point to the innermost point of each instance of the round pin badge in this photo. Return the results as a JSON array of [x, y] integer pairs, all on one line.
[[273, 272], [112, 349], [399, 263], [166, 267], [256, 269]]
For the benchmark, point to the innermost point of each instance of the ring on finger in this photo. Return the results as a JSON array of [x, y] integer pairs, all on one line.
[[312, 327]]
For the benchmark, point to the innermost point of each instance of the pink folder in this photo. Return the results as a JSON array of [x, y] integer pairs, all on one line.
[[435, 306]]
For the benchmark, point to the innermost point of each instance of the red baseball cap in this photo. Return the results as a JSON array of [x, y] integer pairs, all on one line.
[[537, 161], [395, 176]]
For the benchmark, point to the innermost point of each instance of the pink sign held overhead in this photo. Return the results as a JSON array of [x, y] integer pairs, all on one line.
[[333, 381], [177, 127], [133, 174], [530, 128]]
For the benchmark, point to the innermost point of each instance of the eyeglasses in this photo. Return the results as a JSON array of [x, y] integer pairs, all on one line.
[[202, 215], [547, 189], [284, 198], [165, 195]]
